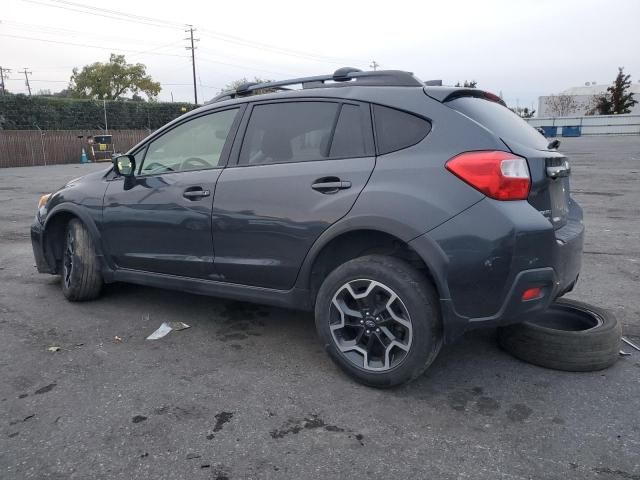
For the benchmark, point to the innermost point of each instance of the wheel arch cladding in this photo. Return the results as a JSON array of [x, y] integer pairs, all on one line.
[[356, 243], [54, 230]]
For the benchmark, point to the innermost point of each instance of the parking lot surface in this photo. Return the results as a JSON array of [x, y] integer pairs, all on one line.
[[247, 392]]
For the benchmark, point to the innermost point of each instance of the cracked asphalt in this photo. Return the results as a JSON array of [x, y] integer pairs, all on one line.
[[247, 392]]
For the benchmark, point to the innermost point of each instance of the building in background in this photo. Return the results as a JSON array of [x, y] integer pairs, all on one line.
[[577, 101]]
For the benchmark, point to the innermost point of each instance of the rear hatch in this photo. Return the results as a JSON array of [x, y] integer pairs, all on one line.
[[549, 169]]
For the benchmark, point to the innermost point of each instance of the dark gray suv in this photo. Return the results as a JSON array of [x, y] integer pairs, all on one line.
[[401, 214]]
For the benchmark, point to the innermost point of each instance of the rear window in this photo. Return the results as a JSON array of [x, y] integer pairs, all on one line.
[[500, 120], [396, 130]]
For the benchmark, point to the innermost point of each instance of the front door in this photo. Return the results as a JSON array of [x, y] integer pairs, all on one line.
[[161, 220], [301, 165]]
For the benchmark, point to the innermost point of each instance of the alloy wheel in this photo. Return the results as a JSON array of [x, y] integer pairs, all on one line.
[[370, 325]]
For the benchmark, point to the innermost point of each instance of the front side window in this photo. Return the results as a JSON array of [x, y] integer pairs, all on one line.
[[193, 145], [289, 132]]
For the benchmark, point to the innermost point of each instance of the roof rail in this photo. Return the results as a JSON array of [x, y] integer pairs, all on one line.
[[346, 75]]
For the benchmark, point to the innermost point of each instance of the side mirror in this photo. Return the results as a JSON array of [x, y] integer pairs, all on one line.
[[124, 165]]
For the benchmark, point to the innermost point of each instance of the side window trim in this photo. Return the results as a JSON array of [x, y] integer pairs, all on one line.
[[333, 129], [224, 155], [365, 110]]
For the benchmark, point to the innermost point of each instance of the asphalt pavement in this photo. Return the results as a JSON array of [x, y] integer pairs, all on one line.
[[247, 392]]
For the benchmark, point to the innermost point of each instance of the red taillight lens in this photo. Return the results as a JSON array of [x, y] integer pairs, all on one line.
[[499, 175], [531, 294]]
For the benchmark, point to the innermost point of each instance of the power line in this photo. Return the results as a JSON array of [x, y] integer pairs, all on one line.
[[45, 29], [374, 65], [116, 12], [119, 16], [280, 50], [91, 46], [145, 20], [193, 61]]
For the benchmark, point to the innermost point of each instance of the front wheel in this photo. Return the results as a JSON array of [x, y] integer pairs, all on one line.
[[378, 318], [81, 276]]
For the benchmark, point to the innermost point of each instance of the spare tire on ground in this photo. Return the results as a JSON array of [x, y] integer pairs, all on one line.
[[570, 335]]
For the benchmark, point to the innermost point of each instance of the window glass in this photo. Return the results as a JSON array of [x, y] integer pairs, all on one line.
[[349, 138], [288, 132], [396, 130], [501, 121], [194, 145]]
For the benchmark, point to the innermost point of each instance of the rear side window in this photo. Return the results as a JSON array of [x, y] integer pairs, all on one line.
[[396, 130], [350, 138], [289, 132], [500, 120]]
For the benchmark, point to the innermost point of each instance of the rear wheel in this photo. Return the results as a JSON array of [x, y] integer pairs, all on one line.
[[378, 318], [81, 276]]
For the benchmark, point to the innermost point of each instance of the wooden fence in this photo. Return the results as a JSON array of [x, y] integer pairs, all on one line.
[[21, 148]]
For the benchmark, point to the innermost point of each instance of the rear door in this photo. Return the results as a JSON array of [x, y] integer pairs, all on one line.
[[300, 167], [549, 169]]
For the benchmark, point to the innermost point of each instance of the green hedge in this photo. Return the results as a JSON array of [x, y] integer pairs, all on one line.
[[21, 112]]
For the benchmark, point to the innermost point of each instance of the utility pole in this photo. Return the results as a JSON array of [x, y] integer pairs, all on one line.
[[3, 77], [26, 78], [193, 60], [374, 65]]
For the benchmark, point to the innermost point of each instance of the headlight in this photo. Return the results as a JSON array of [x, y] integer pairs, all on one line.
[[43, 200]]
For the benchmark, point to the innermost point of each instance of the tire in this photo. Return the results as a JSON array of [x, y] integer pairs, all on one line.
[[81, 275], [571, 336], [403, 320]]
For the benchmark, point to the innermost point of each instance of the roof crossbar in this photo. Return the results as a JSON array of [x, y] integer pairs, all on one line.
[[346, 75]]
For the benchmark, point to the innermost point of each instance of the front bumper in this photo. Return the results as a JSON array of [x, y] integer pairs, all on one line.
[[488, 255], [38, 247]]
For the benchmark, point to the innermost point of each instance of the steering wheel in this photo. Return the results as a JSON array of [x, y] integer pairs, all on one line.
[[194, 163]]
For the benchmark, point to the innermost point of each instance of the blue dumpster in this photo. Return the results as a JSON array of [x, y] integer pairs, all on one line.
[[574, 131], [550, 131]]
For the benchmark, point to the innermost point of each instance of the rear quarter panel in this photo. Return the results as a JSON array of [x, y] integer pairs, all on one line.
[[412, 185]]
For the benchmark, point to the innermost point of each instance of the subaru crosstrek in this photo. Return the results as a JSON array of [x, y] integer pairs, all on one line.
[[401, 214]]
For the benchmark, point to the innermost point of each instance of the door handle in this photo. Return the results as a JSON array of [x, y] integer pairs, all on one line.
[[330, 185], [195, 193]]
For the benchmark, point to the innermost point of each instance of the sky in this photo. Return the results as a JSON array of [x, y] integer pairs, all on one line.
[[520, 48]]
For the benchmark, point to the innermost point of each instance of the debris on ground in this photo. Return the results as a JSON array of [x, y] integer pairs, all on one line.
[[53, 349], [165, 328], [630, 343], [118, 338], [191, 456], [45, 389], [624, 354]]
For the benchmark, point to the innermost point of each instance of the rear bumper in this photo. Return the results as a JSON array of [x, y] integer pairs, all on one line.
[[38, 248], [488, 255]]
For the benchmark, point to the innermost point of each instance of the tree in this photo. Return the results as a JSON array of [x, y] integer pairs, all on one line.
[[561, 105], [467, 84], [523, 112], [617, 99], [241, 81], [113, 80], [64, 93]]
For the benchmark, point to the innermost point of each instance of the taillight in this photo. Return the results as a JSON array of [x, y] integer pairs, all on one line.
[[499, 175]]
